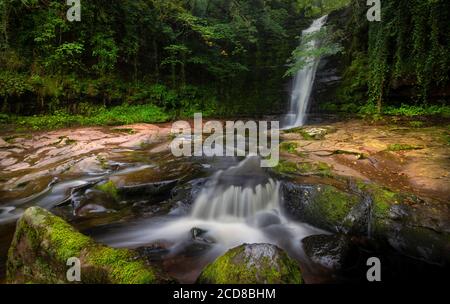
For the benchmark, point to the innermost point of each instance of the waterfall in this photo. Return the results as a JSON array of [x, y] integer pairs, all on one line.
[[237, 194], [304, 80]]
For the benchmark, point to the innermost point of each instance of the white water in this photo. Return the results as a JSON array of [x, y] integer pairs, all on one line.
[[304, 81], [238, 205], [234, 196]]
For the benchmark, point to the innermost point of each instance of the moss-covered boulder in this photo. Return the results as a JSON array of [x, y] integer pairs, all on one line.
[[43, 243], [323, 206], [413, 226], [252, 264]]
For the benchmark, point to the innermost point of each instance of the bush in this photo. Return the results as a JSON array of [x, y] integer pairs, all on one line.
[[119, 115]]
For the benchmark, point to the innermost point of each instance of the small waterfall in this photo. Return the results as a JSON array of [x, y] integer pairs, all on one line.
[[304, 80], [237, 194]]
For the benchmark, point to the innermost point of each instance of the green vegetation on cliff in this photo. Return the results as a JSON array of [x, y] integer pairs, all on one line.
[[398, 66]]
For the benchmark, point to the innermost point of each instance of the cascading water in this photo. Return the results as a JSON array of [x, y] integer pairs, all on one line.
[[304, 80], [238, 205], [234, 196]]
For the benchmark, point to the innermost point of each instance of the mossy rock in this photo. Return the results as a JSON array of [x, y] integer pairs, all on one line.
[[110, 189], [252, 264], [43, 243], [323, 206], [411, 225], [288, 168]]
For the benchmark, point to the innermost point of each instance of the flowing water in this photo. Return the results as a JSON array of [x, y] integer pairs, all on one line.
[[304, 80], [238, 205]]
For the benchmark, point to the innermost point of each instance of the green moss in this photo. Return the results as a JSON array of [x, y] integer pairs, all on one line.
[[235, 268], [331, 206], [290, 147], [403, 147], [67, 242], [286, 167], [121, 267], [416, 124], [43, 243], [382, 198], [302, 132], [124, 130], [320, 168], [110, 189]]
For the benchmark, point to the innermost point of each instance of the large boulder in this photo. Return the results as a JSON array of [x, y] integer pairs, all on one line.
[[252, 264], [323, 206], [43, 244], [330, 251], [413, 226]]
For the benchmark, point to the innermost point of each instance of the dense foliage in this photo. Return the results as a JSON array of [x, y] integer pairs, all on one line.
[[405, 58], [171, 58], [180, 55]]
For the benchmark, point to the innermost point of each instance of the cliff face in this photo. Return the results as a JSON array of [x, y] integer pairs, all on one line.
[[332, 68], [351, 76]]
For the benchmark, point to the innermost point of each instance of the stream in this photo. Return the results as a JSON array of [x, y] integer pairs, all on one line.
[[183, 213], [179, 213]]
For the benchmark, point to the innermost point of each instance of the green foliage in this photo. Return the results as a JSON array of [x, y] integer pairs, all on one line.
[[370, 110], [413, 110], [410, 47], [146, 51], [119, 115], [110, 189], [316, 8], [305, 54]]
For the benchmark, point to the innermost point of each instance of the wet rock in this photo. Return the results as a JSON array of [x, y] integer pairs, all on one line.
[[412, 226], [188, 192], [153, 252], [252, 264], [316, 133], [323, 206], [331, 251], [200, 235], [91, 209], [43, 243], [150, 189], [91, 165]]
